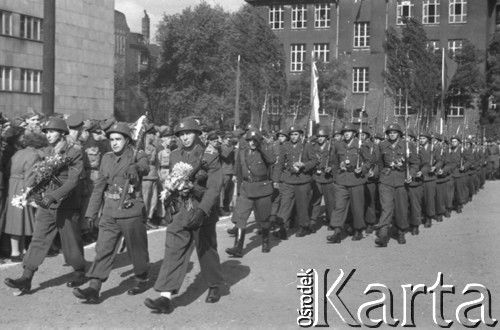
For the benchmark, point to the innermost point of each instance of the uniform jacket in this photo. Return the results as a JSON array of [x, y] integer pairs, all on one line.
[[208, 181], [347, 155], [111, 179], [460, 157], [493, 152], [374, 154], [290, 154], [252, 172], [431, 156], [322, 152], [227, 158], [391, 153], [447, 165], [68, 195]]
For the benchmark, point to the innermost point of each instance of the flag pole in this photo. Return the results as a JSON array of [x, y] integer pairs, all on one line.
[[237, 98]]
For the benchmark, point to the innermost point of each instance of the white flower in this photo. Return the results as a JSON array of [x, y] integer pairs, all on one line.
[[19, 201]]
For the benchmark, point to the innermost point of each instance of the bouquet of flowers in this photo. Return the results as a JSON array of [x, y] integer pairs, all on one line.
[[178, 183], [46, 172]]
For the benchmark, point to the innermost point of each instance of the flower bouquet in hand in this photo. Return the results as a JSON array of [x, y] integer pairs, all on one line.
[[46, 172]]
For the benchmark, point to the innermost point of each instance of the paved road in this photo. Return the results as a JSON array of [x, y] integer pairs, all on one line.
[[262, 288]]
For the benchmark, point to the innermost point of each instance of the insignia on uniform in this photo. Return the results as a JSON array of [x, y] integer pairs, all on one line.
[[115, 126], [252, 134]]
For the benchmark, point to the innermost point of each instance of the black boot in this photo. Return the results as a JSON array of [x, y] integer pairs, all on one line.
[[439, 218], [401, 237], [159, 305], [22, 283], [414, 230], [336, 237], [383, 237], [281, 233], [239, 240], [459, 208], [265, 240], [79, 279], [90, 294], [369, 229], [447, 213], [427, 222], [213, 295], [232, 231], [358, 235], [141, 285]]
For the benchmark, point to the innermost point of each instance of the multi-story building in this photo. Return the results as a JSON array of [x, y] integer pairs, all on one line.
[[56, 57], [355, 30]]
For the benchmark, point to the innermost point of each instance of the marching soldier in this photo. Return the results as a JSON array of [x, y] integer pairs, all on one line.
[[281, 138], [322, 184], [415, 188], [293, 173], [459, 157], [127, 220], [227, 160], [371, 191], [59, 212], [397, 162], [432, 157], [193, 223], [352, 162], [442, 177], [255, 189]]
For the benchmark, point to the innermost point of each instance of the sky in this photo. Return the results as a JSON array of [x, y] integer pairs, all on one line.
[[134, 10]]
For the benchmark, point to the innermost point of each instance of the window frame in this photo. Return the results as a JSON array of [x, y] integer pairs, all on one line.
[[400, 105], [319, 22], [31, 28], [360, 79], [434, 45], [426, 5], [295, 54], [5, 16], [276, 10], [454, 18], [453, 48], [299, 17], [361, 35], [31, 81], [322, 52], [5, 79], [400, 8]]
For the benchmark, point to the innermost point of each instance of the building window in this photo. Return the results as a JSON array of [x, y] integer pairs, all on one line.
[[431, 12], [299, 17], [434, 46], [298, 56], [457, 108], [454, 47], [31, 81], [360, 82], [401, 105], [31, 28], [5, 23], [497, 15], [404, 10], [458, 11], [322, 52], [5, 79], [362, 34], [276, 17], [274, 108], [322, 16]]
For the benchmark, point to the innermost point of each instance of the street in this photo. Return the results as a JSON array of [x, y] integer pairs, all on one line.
[[262, 288]]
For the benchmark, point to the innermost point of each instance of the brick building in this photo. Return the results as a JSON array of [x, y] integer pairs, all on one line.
[[354, 31], [56, 56]]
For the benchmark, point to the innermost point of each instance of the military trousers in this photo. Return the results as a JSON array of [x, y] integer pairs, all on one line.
[[227, 191], [461, 190], [298, 196], [261, 207], [371, 201], [111, 230], [349, 198], [150, 196], [429, 206], [319, 191], [450, 195], [415, 196], [441, 196], [47, 223], [179, 245], [394, 204]]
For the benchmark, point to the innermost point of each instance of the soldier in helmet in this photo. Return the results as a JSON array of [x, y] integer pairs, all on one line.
[[323, 176], [352, 161], [59, 212], [281, 138], [415, 188], [127, 220], [371, 192], [461, 159], [292, 174], [193, 223], [255, 189], [397, 163]]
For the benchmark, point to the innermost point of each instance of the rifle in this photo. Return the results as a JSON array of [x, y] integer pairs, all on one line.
[[463, 141], [407, 153], [262, 113], [360, 131], [174, 194], [332, 125], [126, 185]]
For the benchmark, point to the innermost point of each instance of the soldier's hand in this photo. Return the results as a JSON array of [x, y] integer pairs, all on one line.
[[357, 170], [370, 174], [195, 219], [276, 185], [433, 169], [408, 179], [419, 174], [131, 173], [47, 201], [328, 169], [91, 223], [440, 171]]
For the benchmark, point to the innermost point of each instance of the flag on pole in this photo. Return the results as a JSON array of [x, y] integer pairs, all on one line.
[[449, 68], [314, 91]]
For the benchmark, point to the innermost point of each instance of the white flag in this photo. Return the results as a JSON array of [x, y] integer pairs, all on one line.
[[314, 93]]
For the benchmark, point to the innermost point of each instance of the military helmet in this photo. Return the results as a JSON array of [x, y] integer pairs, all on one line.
[[107, 123], [427, 134], [393, 127], [323, 131], [348, 127], [438, 136], [250, 126], [75, 120], [379, 136], [410, 133], [121, 128], [187, 124], [336, 132], [456, 137], [281, 132], [295, 128], [57, 124], [166, 131], [366, 131], [253, 134]]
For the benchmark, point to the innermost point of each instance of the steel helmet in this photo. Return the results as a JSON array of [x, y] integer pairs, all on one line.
[[121, 128], [58, 124], [295, 128], [166, 131], [348, 127], [250, 126], [393, 127], [253, 134], [281, 132], [323, 131], [438, 136], [187, 124], [427, 134]]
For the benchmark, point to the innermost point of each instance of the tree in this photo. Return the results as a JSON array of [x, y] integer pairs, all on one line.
[[491, 116]]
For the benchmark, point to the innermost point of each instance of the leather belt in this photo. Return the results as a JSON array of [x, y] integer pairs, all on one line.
[[256, 178]]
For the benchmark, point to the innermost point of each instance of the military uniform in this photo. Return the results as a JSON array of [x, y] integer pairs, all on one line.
[[295, 184], [443, 176], [372, 208], [460, 158], [431, 156], [227, 156], [181, 237]]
